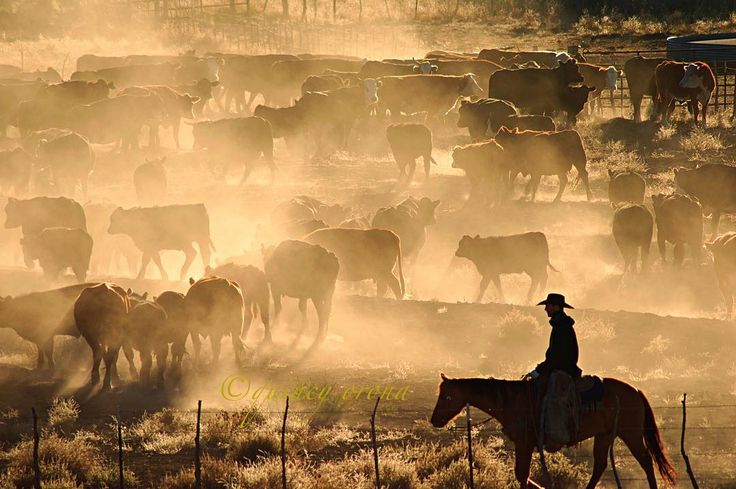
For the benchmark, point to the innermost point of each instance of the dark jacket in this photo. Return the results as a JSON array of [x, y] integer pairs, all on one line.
[[562, 353]]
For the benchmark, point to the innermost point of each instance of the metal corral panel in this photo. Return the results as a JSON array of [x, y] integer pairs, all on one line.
[[702, 47]]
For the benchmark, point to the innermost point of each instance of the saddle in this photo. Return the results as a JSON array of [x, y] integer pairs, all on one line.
[[564, 402]]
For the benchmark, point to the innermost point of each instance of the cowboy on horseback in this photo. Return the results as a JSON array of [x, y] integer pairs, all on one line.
[[562, 353]]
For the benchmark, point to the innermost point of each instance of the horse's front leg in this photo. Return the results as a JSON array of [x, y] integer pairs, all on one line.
[[523, 456]]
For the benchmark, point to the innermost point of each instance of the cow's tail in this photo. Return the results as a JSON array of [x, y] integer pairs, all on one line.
[[551, 267], [212, 245], [431, 158], [653, 442], [401, 271]]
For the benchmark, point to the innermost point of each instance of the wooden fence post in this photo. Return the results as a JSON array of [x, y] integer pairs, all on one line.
[[120, 452], [283, 446], [197, 465], [470, 447], [373, 442], [613, 442], [690, 474], [36, 463]]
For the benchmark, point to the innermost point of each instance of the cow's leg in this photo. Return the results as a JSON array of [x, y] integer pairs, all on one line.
[[189, 254], [497, 282], [636, 103], [178, 348], [238, 348], [111, 358], [662, 246], [679, 253], [303, 312], [601, 445], [411, 169], [265, 319], [145, 259], [696, 109], [247, 320], [532, 287], [534, 186], [146, 363], [130, 357], [216, 342], [427, 159], [381, 287], [157, 260], [484, 281], [205, 251], [197, 344], [247, 169], [563, 184], [324, 308], [96, 359], [393, 282], [162, 353], [40, 360], [175, 126], [645, 256], [276, 304], [522, 464]]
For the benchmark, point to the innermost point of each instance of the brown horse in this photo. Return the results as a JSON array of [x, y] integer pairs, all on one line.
[[513, 403]]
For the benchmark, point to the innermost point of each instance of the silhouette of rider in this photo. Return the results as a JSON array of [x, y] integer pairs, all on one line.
[[562, 353]]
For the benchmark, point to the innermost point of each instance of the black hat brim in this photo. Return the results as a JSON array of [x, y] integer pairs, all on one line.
[[564, 304]]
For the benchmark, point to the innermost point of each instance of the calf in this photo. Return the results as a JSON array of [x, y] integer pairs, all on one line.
[[478, 116], [70, 93], [679, 221], [36, 214], [724, 264], [640, 77], [519, 253], [486, 168], [150, 180], [15, 171], [256, 296], [59, 248], [69, 161], [147, 331], [306, 272], [286, 122], [409, 220], [176, 325], [201, 89], [40, 316], [171, 227], [684, 81], [321, 83], [304, 208], [545, 153], [369, 254], [214, 308], [712, 185], [243, 138], [632, 230], [408, 142], [625, 186]]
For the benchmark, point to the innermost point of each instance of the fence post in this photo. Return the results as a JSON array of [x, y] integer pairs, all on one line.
[[283, 446], [197, 466], [613, 442], [36, 464], [373, 442], [120, 451], [690, 474], [470, 446]]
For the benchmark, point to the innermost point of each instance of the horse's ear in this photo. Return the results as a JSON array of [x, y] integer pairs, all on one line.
[[442, 376]]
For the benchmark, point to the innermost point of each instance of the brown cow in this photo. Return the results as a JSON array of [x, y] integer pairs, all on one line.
[[148, 331], [712, 185], [214, 308], [321, 83], [481, 68], [519, 253], [176, 324], [408, 142], [15, 171], [478, 116], [150, 181], [632, 230], [679, 220], [409, 220], [59, 248], [640, 78], [364, 254], [545, 153], [434, 93], [69, 161], [486, 169], [525, 122], [684, 81]]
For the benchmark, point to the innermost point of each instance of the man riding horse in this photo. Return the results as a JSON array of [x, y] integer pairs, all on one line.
[[562, 353]]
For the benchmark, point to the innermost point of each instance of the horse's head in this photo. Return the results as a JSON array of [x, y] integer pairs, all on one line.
[[450, 402]]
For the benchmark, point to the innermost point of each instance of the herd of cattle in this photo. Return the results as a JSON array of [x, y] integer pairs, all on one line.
[[319, 99]]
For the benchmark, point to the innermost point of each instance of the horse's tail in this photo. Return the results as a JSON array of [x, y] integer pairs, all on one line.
[[653, 442]]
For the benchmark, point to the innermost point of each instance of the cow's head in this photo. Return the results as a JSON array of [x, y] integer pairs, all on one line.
[[505, 134], [459, 157], [426, 210], [562, 58], [682, 178], [105, 85], [466, 246], [203, 88], [370, 89], [119, 221], [464, 112], [425, 68], [186, 105], [612, 76], [469, 87], [571, 72], [658, 200], [693, 77]]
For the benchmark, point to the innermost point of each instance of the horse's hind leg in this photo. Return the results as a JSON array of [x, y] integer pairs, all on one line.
[[601, 445], [635, 442]]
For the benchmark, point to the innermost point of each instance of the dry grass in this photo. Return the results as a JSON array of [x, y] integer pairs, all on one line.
[[700, 142], [63, 411], [166, 431]]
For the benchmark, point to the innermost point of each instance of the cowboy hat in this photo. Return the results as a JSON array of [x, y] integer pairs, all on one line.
[[557, 300]]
